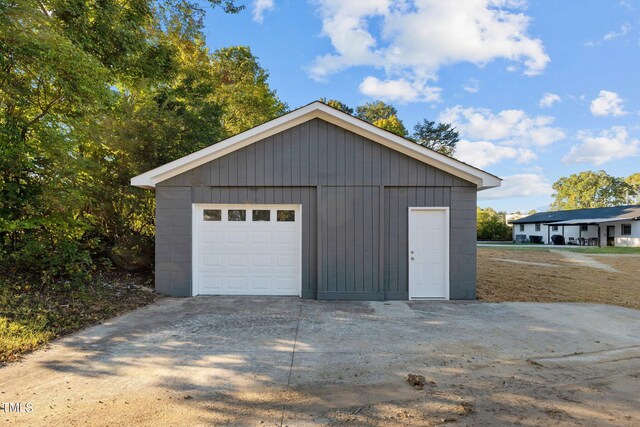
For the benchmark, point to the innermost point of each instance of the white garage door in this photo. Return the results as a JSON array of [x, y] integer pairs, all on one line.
[[247, 250]]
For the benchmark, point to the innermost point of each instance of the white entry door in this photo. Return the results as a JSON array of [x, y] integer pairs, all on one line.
[[247, 250], [429, 253]]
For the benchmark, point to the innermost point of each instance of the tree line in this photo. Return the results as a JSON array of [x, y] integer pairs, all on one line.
[[597, 189], [93, 93]]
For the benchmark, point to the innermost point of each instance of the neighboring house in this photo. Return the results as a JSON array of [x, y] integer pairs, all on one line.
[[612, 226], [317, 204]]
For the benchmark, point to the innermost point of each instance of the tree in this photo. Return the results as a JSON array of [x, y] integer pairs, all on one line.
[[383, 115], [150, 124], [242, 90], [392, 124], [589, 190], [633, 181], [337, 105], [492, 225], [442, 137], [48, 84], [90, 94], [375, 110]]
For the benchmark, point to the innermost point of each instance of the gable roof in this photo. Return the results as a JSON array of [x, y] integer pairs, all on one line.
[[612, 213], [482, 179]]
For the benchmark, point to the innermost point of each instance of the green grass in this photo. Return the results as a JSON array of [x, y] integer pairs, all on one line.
[[32, 315], [609, 250]]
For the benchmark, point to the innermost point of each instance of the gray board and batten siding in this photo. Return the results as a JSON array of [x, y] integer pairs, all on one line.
[[355, 195]]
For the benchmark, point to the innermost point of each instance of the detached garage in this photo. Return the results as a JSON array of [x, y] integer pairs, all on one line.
[[317, 204]]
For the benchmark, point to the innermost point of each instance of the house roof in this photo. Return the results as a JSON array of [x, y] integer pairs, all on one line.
[[591, 221], [317, 109], [613, 213]]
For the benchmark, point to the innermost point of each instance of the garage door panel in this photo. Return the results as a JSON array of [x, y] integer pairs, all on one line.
[[237, 260], [285, 283], [237, 237], [246, 257], [285, 260], [237, 283], [264, 237], [261, 283], [286, 237], [211, 283], [211, 260], [261, 260], [212, 236]]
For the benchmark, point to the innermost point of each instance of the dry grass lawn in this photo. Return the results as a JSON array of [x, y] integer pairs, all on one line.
[[541, 275]]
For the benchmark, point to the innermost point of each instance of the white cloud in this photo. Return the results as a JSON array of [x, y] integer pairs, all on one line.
[[548, 99], [624, 29], [399, 90], [510, 127], [520, 185], [607, 104], [610, 144], [260, 7], [484, 153], [472, 86], [417, 37], [611, 35], [526, 156]]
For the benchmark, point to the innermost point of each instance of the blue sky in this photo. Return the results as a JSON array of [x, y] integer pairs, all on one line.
[[538, 89]]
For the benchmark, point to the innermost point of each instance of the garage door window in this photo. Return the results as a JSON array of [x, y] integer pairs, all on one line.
[[237, 215], [212, 215], [261, 215], [286, 216]]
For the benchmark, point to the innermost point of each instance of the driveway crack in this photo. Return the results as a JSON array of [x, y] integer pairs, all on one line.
[[293, 355]]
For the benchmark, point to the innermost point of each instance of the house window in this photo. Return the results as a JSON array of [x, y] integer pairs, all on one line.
[[261, 215], [212, 215], [554, 228], [286, 216], [537, 227], [584, 228], [626, 229], [521, 227], [237, 215]]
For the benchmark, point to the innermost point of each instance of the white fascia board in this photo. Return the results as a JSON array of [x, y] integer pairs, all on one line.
[[482, 179]]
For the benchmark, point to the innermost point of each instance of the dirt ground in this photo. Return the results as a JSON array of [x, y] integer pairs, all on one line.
[[540, 275]]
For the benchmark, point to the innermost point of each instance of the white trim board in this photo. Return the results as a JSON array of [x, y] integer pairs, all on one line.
[[317, 109], [446, 237]]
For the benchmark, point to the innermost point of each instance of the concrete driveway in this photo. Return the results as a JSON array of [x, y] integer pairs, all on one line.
[[285, 361]]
